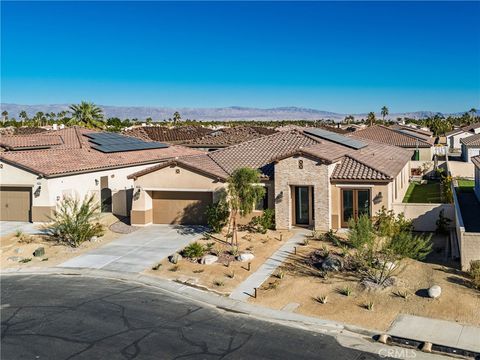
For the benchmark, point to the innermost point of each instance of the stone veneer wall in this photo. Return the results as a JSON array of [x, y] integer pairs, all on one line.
[[313, 173]]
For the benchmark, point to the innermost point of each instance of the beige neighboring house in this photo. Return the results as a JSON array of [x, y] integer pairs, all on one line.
[[421, 146], [313, 178], [39, 170], [470, 147], [455, 136]]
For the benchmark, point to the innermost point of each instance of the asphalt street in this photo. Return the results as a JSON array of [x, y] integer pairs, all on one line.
[[73, 317]]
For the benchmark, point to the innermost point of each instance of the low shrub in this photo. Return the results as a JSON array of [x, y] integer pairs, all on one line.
[[322, 299], [264, 222], [218, 283], [194, 250], [369, 305], [217, 215], [75, 221], [347, 291], [474, 273]]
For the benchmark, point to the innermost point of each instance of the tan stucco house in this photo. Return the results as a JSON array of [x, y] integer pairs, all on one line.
[[313, 178], [38, 170]]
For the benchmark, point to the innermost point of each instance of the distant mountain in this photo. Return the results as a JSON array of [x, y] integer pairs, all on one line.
[[204, 114]]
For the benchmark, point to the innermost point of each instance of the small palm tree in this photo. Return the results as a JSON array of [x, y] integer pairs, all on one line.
[[4, 115], [384, 112], [24, 116], [473, 113], [87, 114], [243, 192], [176, 117], [371, 118]]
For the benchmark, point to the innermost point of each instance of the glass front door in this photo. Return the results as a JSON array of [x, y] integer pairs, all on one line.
[[302, 206], [355, 202]]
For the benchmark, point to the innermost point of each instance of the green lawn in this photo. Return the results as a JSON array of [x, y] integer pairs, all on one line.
[[466, 185], [426, 193]]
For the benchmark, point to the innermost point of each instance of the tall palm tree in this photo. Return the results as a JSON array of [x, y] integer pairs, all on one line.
[[371, 118], [4, 115], [87, 114], [384, 112], [24, 116], [176, 117], [473, 113]]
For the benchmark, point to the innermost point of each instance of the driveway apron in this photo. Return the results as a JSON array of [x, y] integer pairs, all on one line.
[[139, 250]]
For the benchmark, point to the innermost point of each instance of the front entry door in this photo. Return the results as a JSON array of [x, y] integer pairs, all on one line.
[[355, 202], [302, 205]]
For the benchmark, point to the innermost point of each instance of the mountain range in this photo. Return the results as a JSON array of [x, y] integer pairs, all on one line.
[[213, 114]]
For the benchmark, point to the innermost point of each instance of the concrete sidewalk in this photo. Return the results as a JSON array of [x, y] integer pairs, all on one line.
[[245, 289], [9, 227], [439, 332], [139, 250]]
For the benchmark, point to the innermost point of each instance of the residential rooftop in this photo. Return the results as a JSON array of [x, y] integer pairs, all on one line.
[[393, 137], [471, 141]]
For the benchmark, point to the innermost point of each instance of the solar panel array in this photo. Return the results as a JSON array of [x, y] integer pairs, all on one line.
[[336, 138], [111, 142]]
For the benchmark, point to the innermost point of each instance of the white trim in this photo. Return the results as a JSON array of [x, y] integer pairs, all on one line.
[[177, 189]]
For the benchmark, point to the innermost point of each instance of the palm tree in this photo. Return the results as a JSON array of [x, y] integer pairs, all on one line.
[[349, 118], [371, 118], [473, 113], [384, 112], [176, 117], [4, 116], [87, 114], [243, 193], [24, 116]]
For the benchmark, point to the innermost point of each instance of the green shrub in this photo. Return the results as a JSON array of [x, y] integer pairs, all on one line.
[[388, 224], [474, 273], [265, 221], [194, 250], [217, 215], [443, 223], [75, 221], [362, 235], [407, 245]]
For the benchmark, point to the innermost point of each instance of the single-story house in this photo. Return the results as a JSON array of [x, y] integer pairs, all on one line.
[[454, 136], [470, 147], [312, 178], [421, 147], [38, 170], [476, 163]]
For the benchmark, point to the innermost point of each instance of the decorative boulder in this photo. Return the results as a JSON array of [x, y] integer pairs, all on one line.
[[175, 258], [40, 251], [435, 291], [243, 257], [332, 263], [208, 259]]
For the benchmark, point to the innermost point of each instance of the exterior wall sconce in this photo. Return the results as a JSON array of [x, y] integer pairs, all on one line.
[[37, 191], [136, 195], [378, 198], [96, 182], [58, 198]]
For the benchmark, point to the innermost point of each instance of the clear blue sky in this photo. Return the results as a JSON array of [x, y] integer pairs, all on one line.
[[342, 57]]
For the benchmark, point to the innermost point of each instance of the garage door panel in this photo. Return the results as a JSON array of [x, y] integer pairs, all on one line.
[[15, 204], [189, 208]]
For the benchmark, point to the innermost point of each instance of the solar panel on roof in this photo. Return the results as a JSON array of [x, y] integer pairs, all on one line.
[[111, 142], [336, 138]]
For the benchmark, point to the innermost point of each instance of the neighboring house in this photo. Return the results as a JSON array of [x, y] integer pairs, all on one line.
[[476, 163], [38, 170], [335, 129], [313, 178], [228, 136], [413, 130], [172, 135], [420, 146], [454, 136], [470, 147]]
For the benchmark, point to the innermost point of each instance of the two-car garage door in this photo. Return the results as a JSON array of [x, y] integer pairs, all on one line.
[[15, 203], [180, 207]]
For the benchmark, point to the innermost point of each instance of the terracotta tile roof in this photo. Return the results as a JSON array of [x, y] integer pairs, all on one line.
[[376, 161], [412, 129], [476, 161], [454, 131], [230, 136], [301, 128], [471, 141], [178, 134], [388, 136], [75, 155], [26, 141], [351, 169], [471, 127]]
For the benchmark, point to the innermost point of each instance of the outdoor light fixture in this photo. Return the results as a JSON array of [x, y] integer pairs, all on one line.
[[378, 198], [96, 182], [37, 192]]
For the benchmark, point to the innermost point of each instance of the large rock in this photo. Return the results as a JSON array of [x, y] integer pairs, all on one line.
[[208, 259], [332, 263], [40, 251], [435, 291], [175, 258], [243, 257]]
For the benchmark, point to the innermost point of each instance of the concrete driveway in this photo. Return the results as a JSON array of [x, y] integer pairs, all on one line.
[[9, 227], [139, 250]]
